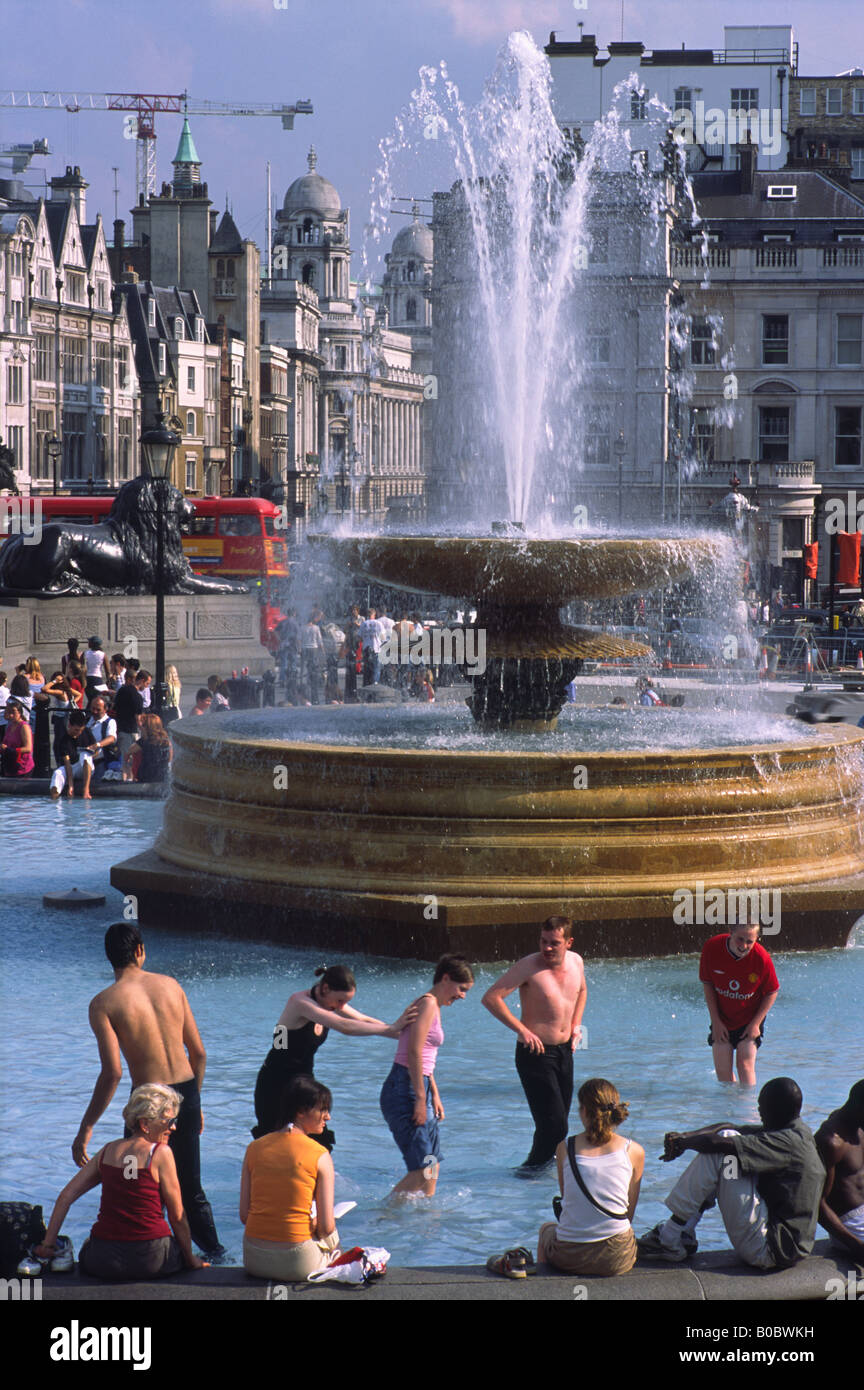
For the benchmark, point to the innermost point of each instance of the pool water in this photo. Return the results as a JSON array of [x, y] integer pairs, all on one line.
[[646, 1027]]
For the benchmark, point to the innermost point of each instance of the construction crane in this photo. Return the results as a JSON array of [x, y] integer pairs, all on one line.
[[140, 124], [18, 157]]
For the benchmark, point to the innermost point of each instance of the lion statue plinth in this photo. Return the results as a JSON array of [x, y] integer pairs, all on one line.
[[115, 556]]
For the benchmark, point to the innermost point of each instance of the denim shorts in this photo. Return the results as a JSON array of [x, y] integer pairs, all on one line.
[[417, 1143]]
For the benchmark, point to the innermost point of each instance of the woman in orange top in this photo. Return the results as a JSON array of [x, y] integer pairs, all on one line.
[[283, 1174]]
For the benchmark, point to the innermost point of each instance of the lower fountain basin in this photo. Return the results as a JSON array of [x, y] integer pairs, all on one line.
[[412, 850]]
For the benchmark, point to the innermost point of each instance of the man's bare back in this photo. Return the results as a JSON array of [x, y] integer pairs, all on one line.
[[148, 1016], [840, 1141], [146, 1019]]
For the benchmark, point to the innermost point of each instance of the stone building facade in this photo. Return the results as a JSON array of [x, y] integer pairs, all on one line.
[[65, 345]]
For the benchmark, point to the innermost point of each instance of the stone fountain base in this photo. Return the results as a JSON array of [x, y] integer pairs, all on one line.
[[413, 852]]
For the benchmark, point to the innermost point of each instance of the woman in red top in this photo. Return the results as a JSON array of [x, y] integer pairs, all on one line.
[[131, 1239], [17, 746]]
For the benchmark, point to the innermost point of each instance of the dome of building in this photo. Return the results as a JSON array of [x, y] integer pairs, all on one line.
[[312, 193], [414, 240]]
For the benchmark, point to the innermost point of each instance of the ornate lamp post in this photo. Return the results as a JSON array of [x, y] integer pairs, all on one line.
[[157, 447], [55, 449]]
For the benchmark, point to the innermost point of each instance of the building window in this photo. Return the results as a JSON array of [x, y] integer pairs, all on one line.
[[858, 101], [101, 465], [15, 440], [41, 463], [598, 349], [151, 312], [190, 378], [74, 353], [702, 434], [102, 294], [833, 101], [599, 251], [179, 330], [43, 369], [191, 473], [163, 360], [76, 287], [774, 433], [849, 340], [597, 435], [74, 434], [744, 99], [858, 161], [190, 422], [683, 99], [17, 310], [847, 436], [212, 383], [210, 429], [199, 330], [124, 447], [341, 363], [102, 363], [14, 384], [637, 105], [411, 311], [122, 368], [702, 346], [807, 101], [411, 271], [775, 339], [45, 282]]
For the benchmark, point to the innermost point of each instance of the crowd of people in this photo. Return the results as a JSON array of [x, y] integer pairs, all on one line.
[[309, 654], [102, 721], [773, 1182]]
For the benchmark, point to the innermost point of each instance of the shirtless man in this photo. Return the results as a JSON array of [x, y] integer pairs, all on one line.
[[552, 994], [840, 1141], [147, 1019]]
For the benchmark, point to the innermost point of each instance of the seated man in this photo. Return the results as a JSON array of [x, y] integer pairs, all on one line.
[[767, 1181], [840, 1141], [104, 730], [74, 761]]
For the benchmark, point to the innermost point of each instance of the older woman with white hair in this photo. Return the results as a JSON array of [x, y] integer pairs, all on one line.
[[131, 1239]]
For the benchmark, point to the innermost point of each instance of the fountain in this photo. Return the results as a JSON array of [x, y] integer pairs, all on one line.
[[409, 831]]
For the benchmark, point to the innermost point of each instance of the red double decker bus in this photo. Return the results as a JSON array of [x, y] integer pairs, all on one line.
[[240, 537]]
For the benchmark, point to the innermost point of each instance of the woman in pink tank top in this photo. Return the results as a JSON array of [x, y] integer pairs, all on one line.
[[131, 1239], [410, 1100]]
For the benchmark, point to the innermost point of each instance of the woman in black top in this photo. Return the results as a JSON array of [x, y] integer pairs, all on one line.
[[303, 1026]]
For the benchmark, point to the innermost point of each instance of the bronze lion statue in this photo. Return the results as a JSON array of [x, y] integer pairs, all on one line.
[[117, 555]]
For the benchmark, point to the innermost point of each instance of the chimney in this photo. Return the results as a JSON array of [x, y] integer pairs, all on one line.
[[747, 165], [71, 188], [119, 234]]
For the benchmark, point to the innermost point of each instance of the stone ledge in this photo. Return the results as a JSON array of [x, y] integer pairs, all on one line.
[[38, 786], [713, 1277]]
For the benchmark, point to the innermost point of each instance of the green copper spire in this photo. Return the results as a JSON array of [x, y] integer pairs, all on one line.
[[186, 151]]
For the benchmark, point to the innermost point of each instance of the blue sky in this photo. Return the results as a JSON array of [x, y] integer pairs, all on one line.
[[356, 59]]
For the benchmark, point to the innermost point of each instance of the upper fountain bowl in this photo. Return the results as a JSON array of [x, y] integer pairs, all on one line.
[[523, 570]]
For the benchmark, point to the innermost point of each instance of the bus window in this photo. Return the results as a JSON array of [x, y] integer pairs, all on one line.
[[202, 526], [239, 524]]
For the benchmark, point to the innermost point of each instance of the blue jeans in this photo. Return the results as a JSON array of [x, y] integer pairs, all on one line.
[[418, 1144], [371, 667]]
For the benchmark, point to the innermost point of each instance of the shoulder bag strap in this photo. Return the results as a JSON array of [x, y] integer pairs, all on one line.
[[571, 1154]]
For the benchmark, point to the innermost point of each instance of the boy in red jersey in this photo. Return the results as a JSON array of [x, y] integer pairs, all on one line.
[[740, 987]]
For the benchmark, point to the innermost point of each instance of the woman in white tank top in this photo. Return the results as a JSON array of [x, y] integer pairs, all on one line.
[[599, 1174]]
